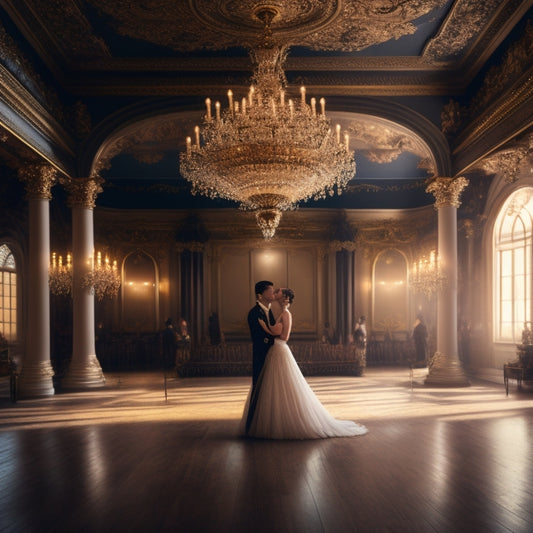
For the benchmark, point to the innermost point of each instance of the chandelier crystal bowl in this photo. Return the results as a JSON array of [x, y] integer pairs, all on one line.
[[267, 152]]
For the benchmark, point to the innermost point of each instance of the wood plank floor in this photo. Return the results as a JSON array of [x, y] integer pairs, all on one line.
[[124, 458]]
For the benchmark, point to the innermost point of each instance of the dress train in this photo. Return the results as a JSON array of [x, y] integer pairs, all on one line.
[[285, 407]]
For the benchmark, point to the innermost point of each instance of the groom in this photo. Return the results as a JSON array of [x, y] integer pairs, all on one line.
[[262, 341]]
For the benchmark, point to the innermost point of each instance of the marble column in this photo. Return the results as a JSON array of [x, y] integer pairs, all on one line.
[[35, 378], [446, 369], [84, 370]]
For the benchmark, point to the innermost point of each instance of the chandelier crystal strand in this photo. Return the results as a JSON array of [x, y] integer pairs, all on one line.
[[269, 151]]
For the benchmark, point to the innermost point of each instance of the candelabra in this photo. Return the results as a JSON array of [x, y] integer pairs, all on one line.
[[426, 276], [103, 276]]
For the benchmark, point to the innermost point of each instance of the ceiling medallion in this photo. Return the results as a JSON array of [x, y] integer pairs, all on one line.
[[267, 152]]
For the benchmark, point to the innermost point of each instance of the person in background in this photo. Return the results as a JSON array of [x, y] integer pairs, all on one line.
[[169, 337], [420, 337]]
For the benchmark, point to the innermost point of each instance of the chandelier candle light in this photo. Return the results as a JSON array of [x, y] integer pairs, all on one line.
[[267, 151]]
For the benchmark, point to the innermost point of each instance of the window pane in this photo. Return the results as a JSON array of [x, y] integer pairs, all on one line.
[[507, 288]]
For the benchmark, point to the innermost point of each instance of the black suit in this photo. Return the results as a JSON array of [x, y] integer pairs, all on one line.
[[261, 340]]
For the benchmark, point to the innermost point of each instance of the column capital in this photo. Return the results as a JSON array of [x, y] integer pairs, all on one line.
[[38, 180], [447, 191], [82, 192]]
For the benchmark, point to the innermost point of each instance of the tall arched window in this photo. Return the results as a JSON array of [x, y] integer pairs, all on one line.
[[8, 294], [512, 266]]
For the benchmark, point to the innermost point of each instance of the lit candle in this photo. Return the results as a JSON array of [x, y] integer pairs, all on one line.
[[236, 107], [217, 107], [282, 97], [251, 95], [347, 141], [208, 107], [338, 130], [60, 262], [189, 149], [53, 260], [99, 259], [313, 106], [197, 135], [243, 106], [69, 258], [291, 108], [115, 264], [302, 92], [230, 100], [323, 106], [273, 107]]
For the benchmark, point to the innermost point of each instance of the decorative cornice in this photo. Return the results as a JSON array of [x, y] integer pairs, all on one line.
[[447, 191], [82, 192], [38, 181]]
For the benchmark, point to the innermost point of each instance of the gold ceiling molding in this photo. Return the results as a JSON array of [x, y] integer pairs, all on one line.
[[497, 83], [341, 25], [460, 27]]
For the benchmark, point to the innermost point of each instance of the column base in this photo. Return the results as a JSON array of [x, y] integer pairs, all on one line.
[[446, 371], [84, 375], [35, 380]]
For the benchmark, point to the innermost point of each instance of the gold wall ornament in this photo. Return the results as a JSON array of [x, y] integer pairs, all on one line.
[[509, 162], [267, 151], [447, 191], [82, 192], [38, 180]]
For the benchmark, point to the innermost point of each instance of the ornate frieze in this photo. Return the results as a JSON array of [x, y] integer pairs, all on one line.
[[38, 180], [82, 192], [447, 191]]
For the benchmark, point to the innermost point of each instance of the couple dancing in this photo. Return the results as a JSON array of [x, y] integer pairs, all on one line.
[[280, 404]]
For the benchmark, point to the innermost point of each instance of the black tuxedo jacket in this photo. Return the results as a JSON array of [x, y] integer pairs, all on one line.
[[261, 340]]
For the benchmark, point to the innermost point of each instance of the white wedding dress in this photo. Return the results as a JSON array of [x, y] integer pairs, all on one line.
[[285, 405]]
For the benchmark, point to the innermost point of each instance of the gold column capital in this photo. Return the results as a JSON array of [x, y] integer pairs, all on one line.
[[82, 192], [447, 191], [38, 180]]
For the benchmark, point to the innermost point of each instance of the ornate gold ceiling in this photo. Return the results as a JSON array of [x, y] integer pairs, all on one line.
[[339, 25]]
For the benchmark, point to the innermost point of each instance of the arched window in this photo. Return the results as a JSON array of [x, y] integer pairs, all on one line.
[[8, 294], [512, 266]]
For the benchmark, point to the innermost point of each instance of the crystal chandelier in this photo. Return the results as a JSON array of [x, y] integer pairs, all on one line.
[[426, 276], [267, 152], [103, 277], [60, 275]]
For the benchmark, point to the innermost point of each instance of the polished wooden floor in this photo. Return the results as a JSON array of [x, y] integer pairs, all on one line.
[[125, 458]]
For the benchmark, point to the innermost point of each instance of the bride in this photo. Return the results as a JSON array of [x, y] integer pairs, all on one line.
[[283, 404]]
